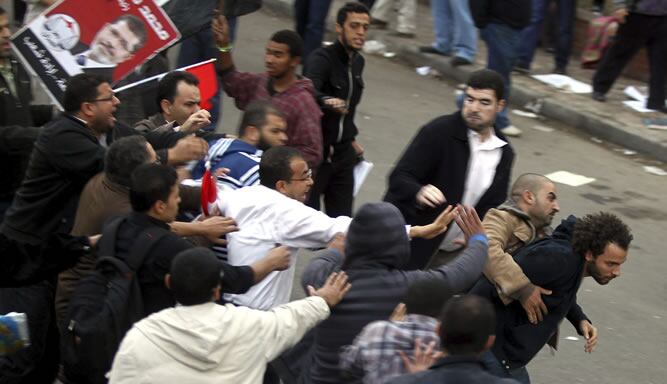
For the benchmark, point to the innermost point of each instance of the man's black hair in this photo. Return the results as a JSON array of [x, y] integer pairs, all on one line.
[[168, 85], [80, 89], [2, 11], [275, 165], [488, 79], [466, 324], [123, 157], [351, 7], [427, 297], [291, 39], [256, 115], [137, 28], [595, 231], [151, 183], [195, 273]]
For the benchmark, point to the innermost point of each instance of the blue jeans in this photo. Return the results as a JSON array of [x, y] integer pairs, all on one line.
[[200, 47], [454, 29], [495, 368], [531, 34], [502, 42], [310, 16]]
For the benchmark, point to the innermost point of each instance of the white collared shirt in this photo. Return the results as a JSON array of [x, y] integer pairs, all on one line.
[[484, 159]]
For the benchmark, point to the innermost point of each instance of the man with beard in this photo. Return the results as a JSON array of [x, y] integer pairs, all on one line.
[[457, 158], [336, 74], [525, 217], [236, 161], [68, 152], [290, 93], [595, 245]]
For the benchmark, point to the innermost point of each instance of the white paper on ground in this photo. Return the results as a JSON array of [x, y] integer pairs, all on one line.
[[423, 70], [361, 171], [635, 94], [543, 128], [568, 178], [573, 338], [655, 170], [565, 83], [524, 113]]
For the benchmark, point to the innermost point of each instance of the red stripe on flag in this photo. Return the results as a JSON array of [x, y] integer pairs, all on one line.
[[209, 192]]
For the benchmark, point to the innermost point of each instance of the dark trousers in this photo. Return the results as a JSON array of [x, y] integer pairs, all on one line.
[[529, 36], [310, 17], [638, 31], [38, 363], [335, 180]]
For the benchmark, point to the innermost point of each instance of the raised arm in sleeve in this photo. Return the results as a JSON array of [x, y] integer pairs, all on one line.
[[320, 267], [462, 273]]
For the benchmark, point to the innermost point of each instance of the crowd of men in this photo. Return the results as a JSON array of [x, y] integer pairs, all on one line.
[[456, 276]]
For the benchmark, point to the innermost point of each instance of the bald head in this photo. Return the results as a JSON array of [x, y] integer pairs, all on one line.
[[535, 195], [532, 182]]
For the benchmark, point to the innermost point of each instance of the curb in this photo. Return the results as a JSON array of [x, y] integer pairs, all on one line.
[[604, 128]]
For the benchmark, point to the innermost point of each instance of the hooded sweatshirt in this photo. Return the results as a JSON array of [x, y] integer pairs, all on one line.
[[210, 343], [377, 246]]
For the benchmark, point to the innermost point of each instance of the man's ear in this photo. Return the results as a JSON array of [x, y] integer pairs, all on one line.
[[165, 106], [589, 256], [528, 197], [87, 109], [252, 133], [295, 61], [217, 292], [281, 186], [167, 281], [339, 28]]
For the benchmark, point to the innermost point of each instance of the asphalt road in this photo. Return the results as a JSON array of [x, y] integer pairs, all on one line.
[[631, 312]]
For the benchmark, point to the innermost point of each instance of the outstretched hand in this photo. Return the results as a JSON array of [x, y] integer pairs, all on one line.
[[333, 290], [438, 226], [424, 357], [469, 222]]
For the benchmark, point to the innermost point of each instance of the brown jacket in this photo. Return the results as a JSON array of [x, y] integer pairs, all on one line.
[[508, 229]]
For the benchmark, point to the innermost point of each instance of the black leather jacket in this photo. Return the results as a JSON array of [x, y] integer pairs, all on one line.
[[336, 75]]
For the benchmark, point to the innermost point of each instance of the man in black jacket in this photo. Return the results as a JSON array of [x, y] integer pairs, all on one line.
[[457, 158], [67, 153], [595, 245], [336, 74]]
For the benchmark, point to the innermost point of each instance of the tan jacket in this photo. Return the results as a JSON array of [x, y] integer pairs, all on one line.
[[508, 229]]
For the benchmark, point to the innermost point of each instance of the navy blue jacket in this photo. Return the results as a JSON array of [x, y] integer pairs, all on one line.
[[550, 263], [454, 369]]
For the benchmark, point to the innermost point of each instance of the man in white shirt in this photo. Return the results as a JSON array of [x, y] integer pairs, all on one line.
[[273, 213], [455, 159]]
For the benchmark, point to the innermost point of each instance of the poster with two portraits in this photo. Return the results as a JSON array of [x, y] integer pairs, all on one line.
[[109, 38]]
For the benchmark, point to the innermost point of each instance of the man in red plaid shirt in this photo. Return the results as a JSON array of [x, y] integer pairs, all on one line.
[[292, 94]]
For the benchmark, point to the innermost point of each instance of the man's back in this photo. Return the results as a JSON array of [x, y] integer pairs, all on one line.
[[241, 158], [454, 369], [209, 343], [66, 155]]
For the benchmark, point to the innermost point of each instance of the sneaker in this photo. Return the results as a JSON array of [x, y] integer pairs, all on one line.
[[378, 24], [511, 131], [430, 49], [457, 61], [522, 69], [599, 96]]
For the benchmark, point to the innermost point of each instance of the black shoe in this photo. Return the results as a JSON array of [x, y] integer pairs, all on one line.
[[457, 61], [662, 109], [522, 69], [560, 71], [599, 96], [430, 49]]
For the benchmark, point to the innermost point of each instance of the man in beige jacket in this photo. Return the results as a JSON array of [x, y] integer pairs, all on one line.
[[199, 341], [525, 217]]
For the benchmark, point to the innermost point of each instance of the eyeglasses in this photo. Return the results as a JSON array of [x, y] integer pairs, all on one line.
[[309, 175], [110, 98]]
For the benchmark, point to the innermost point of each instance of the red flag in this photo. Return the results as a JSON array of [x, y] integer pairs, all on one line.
[[208, 82], [209, 191]]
